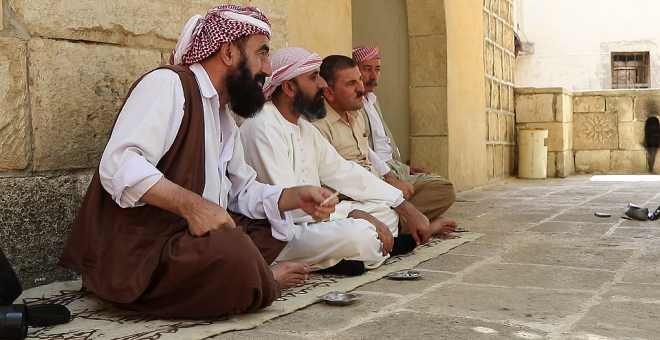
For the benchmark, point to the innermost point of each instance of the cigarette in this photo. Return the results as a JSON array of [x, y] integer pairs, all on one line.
[[329, 198]]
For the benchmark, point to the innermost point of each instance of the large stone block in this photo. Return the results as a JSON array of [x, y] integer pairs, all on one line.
[[154, 24], [426, 17], [430, 153], [564, 108], [428, 61], [565, 163], [277, 15], [592, 161], [509, 160], [14, 123], [502, 127], [510, 129], [428, 111], [622, 106], [497, 59], [490, 156], [497, 98], [508, 38], [75, 103], [505, 96], [595, 131], [646, 105], [551, 171], [631, 135], [535, 108], [36, 215], [560, 135], [499, 161], [629, 161], [2, 15], [506, 67], [493, 127], [589, 104], [488, 91], [489, 58]]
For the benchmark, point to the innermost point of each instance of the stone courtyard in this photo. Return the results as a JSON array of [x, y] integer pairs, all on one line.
[[547, 268]]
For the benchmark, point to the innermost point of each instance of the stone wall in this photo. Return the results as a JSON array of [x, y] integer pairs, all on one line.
[[65, 68], [499, 93], [592, 131]]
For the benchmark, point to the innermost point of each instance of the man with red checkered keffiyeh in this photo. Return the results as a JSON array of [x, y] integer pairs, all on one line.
[[174, 223]]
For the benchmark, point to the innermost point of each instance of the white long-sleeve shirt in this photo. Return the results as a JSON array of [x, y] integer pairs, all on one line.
[[290, 155], [377, 129], [145, 131]]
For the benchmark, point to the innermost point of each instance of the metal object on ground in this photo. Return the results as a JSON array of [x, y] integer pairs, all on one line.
[[404, 275], [339, 298]]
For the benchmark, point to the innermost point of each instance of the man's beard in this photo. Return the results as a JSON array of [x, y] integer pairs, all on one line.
[[245, 93], [309, 108], [373, 82]]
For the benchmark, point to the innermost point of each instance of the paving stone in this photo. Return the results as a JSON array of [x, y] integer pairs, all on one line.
[[577, 228], [407, 287], [477, 249], [646, 272], [256, 334], [622, 320], [637, 232], [555, 277], [452, 263], [496, 303], [407, 325], [572, 240], [334, 317], [593, 258], [647, 291]]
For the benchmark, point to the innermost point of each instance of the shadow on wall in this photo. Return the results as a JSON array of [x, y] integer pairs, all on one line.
[[652, 133]]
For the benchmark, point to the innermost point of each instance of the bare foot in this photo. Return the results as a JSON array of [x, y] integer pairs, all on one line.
[[236, 311], [442, 226], [290, 274]]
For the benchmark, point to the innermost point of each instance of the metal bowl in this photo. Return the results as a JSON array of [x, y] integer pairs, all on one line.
[[339, 298], [404, 275]]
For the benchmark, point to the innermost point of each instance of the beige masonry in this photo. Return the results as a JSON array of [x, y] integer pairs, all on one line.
[[607, 128], [72, 120], [14, 122]]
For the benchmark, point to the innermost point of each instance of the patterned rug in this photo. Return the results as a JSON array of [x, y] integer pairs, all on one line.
[[94, 318]]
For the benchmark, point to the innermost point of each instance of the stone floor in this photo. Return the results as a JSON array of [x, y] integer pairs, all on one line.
[[547, 268]]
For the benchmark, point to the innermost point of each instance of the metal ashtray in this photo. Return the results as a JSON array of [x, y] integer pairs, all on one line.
[[339, 298], [404, 275]]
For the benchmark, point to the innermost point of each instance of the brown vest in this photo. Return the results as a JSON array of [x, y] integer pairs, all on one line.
[[116, 250]]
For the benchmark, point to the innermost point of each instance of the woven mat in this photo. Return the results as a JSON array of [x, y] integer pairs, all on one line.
[[94, 318]]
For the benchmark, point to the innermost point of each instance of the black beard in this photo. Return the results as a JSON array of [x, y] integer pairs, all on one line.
[[245, 93], [371, 82], [309, 108]]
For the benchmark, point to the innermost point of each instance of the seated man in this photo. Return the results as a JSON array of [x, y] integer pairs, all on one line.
[[345, 128], [155, 233], [288, 151]]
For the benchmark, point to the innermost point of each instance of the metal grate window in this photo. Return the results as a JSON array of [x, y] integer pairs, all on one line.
[[630, 70]]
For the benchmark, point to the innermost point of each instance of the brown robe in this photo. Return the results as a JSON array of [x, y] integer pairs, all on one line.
[[145, 259]]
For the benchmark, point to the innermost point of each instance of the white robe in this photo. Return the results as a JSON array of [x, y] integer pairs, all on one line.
[[289, 155]]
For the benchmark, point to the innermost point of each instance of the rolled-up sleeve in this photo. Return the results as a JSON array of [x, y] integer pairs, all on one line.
[[145, 130]]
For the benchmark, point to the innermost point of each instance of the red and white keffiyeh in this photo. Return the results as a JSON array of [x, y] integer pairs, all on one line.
[[288, 63], [364, 53], [202, 36]]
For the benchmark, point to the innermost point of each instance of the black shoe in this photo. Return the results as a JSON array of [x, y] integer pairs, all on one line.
[[345, 267]]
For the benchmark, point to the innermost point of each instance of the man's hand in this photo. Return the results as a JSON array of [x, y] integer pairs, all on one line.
[[207, 216], [308, 199], [202, 215], [402, 185], [384, 233], [415, 170], [417, 222]]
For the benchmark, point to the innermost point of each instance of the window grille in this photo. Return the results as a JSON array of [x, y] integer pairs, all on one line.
[[630, 70]]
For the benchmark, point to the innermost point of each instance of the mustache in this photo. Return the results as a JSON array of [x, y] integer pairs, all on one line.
[[260, 77], [360, 94], [371, 82]]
